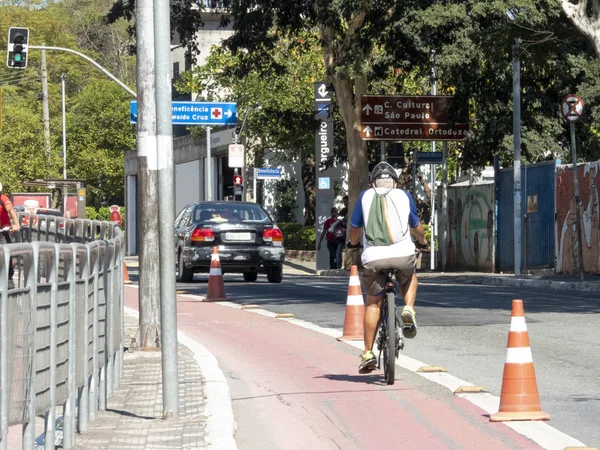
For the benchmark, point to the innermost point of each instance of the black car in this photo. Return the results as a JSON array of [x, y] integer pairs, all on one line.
[[247, 238]]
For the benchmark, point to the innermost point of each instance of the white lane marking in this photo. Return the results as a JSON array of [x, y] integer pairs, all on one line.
[[220, 422], [541, 433]]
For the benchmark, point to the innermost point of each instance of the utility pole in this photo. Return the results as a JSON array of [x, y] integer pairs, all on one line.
[[166, 208], [45, 112], [433, 218], [517, 150], [149, 279], [64, 128]]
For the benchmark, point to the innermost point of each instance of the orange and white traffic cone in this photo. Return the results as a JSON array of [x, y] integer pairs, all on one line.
[[354, 322], [519, 399], [216, 286], [126, 279]]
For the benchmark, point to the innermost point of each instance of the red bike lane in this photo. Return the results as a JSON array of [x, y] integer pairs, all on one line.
[[295, 388]]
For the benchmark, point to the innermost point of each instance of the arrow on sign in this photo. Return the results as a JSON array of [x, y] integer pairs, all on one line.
[[368, 131], [322, 90], [368, 109], [228, 113]]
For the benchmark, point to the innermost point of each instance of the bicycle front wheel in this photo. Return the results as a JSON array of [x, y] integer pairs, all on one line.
[[390, 372]]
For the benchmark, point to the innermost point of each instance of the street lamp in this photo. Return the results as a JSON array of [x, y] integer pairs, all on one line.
[[238, 134]]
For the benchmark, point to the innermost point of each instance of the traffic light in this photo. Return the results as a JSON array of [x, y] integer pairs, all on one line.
[[237, 180], [18, 41]]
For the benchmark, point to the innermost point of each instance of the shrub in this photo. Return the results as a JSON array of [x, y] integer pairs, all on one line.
[[102, 213], [298, 237], [286, 200]]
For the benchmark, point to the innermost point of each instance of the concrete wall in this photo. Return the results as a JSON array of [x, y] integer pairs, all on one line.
[[470, 228], [567, 253]]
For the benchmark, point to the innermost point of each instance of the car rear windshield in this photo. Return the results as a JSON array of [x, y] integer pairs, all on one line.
[[230, 213]]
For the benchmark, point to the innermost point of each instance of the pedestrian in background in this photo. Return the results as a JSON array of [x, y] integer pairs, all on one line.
[[332, 243], [6, 213]]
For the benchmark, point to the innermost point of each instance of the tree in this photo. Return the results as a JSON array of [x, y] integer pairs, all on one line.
[[585, 15], [283, 87], [99, 135]]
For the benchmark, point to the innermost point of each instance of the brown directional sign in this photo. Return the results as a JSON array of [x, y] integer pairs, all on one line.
[[414, 118]]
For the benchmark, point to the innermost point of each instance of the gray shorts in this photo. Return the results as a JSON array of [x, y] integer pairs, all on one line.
[[373, 280]]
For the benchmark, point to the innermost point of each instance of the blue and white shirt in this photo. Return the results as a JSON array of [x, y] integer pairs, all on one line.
[[402, 216]]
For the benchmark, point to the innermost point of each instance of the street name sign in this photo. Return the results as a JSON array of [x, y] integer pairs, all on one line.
[[412, 118], [268, 173], [235, 157], [429, 158], [196, 113]]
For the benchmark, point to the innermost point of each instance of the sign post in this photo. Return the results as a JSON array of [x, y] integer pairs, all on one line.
[[324, 194], [572, 110]]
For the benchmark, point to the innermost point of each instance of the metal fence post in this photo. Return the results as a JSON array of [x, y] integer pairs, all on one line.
[[108, 292], [84, 397], [94, 378], [69, 412], [3, 350], [28, 437], [51, 416]]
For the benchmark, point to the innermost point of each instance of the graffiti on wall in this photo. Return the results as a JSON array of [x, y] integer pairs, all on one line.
[[470, 228], [567, 250]]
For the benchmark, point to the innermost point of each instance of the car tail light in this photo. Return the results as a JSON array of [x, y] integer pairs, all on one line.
[[273, 235], [203, 235]]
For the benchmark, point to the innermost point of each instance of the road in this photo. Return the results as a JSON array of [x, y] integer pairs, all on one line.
[[464, 328]]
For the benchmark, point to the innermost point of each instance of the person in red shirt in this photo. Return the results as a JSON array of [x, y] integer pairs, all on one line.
[[332, 244], [6, 213]]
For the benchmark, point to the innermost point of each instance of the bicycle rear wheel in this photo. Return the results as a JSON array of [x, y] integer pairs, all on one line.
[[390, 344]]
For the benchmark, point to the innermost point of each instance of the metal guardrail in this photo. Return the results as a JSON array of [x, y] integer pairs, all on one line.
[[61, 326]]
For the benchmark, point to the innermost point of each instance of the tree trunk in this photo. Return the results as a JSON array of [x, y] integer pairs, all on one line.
[[348, 100], [588, 25], [308, 182]]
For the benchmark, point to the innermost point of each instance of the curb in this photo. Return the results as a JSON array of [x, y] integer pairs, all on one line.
[[495, 281], [548, 284]]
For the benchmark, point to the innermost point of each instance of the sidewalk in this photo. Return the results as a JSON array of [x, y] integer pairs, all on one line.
[[566, 282], [133, 420]]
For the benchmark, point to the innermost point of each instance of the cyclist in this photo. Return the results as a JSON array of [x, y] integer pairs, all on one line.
[[6, 213], [386, 214]]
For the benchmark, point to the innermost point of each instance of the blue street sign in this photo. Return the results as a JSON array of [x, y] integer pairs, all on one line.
[[196, 113], [324, 183], [429, 158], [266, 173]]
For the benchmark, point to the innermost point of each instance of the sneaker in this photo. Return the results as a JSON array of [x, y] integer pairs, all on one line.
[[368, 362], [409, 321]]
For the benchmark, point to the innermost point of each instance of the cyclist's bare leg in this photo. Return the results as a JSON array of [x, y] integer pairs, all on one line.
[[409, 290], [372, 319]]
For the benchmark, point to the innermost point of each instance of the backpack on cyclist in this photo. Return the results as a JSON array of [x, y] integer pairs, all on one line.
[[383, 226]]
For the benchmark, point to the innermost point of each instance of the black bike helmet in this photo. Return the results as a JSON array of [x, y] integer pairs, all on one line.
[[383, 170]]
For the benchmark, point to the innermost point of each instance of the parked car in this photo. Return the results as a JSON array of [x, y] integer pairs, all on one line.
[[248, 239]]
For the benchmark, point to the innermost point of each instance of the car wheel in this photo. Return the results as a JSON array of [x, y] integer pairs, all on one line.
[[275, 274], [250, 276], [183, 274]]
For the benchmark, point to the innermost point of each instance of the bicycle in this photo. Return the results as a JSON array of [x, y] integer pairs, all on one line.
[[390, 339], [387, 328]]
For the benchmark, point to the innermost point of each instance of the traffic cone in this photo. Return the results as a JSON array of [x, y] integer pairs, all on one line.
[[216, 286], [126, 279], [519, 399], [354, 328]]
